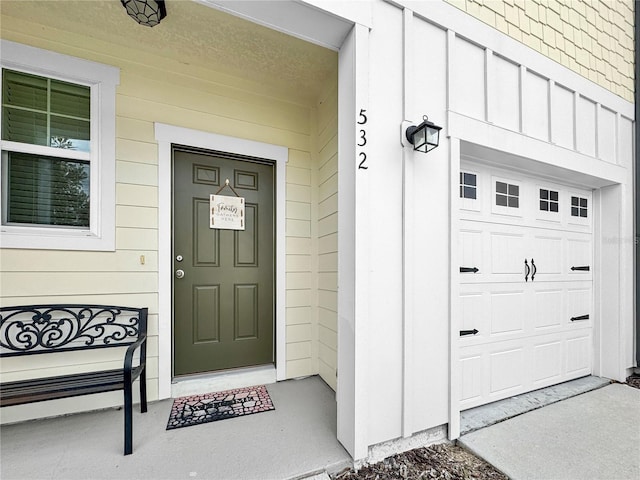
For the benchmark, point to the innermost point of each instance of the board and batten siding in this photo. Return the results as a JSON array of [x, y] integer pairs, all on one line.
[[594, 39], [488, 86], [155, 89]]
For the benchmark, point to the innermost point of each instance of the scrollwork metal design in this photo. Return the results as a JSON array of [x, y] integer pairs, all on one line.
[[35, 329]]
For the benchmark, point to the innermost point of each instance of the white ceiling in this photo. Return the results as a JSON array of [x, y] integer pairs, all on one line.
[[194, 33], [294, 17]]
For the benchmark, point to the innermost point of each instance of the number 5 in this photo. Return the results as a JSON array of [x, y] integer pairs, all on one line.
[[363, 117]]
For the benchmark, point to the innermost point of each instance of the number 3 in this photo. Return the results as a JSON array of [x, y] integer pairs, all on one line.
[[363, 137]]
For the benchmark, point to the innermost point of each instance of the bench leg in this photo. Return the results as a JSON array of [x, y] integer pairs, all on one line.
[[128, 419], [143, 391]]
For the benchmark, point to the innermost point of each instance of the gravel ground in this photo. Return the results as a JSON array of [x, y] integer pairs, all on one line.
[[634, 381], [437, 462]]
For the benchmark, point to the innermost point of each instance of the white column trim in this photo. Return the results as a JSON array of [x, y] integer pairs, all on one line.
[[488, 84], [454, 289], [166, 136], [451, 50], [408, 235], [522, 89], [576, 98], [597, 135], [353, 248], [551, 92]]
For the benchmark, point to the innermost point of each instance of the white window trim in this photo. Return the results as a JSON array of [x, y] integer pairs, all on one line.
[[103, 80]]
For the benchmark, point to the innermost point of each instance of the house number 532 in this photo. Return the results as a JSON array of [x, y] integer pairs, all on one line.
[[362, 140]]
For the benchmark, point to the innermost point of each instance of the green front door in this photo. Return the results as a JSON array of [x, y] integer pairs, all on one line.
[[223, 279]]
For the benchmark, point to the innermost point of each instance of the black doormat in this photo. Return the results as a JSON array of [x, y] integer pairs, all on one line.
[[198, 409]]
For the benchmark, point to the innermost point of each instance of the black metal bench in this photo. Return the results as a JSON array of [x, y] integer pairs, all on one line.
[[51, 329]]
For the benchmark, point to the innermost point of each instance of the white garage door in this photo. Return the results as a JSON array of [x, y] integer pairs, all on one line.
[[526, 253]]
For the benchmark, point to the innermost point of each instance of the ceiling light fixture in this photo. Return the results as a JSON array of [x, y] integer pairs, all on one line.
[[146, 12]]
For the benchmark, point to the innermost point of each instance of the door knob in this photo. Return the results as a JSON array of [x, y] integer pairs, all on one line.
[[179, 273]]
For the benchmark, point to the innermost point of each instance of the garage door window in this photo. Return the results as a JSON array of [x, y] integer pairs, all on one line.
[[468, 185], [579, 207], [548, 200], [507, 195]]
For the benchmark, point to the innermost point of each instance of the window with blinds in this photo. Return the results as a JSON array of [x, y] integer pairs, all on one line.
[[47, 191], [45, 186]]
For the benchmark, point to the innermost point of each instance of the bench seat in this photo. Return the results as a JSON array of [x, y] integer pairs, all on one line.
[[53, 329], [53, 388]]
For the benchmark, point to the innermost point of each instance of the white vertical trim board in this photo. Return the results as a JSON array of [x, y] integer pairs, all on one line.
[[408, 235], [454, 293], [489, 68], [167, 135], [353, 248]]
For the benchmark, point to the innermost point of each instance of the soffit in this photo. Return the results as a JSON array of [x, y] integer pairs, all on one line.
[[195, 34], [292, 17]]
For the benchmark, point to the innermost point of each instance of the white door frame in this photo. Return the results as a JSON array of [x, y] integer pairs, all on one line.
[[168, 135]]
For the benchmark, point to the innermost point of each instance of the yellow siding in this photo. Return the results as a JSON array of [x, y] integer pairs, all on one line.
[[155, 89], [593, 38], [328, 236], [300, 321]]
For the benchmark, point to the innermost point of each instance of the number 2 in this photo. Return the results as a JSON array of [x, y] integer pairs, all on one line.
[[364, 159]]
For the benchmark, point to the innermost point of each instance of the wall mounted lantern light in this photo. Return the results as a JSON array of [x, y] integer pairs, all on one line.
[[424, 137], [146, 12]]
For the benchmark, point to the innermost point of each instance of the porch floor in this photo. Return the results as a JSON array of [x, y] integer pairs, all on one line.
[[295, 440]]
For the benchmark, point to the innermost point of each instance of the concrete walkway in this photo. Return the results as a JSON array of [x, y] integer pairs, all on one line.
[[593, 436], [296, 440], [496, 412]]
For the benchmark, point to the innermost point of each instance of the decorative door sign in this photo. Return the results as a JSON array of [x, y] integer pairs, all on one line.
[[227, 212]]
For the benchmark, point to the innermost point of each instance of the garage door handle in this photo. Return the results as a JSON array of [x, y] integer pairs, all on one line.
[[586, 268], [535, 269], [469, 269], [527, 270], [468, 332], [581, 317]]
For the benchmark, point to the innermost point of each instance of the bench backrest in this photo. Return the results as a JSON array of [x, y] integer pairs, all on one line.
[[32, 329]]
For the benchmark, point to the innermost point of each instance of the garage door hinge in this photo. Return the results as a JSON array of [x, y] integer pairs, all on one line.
[[581, 317], [468, 332], [586, 268], [469, 269]]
